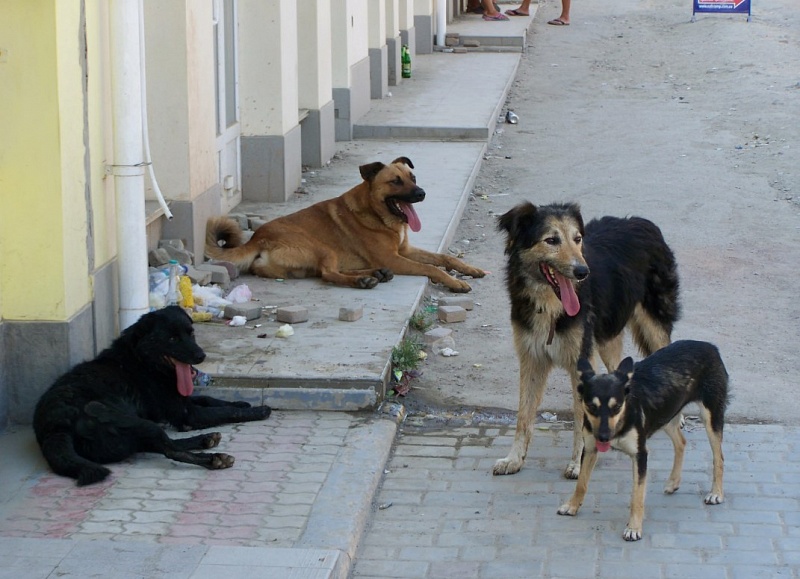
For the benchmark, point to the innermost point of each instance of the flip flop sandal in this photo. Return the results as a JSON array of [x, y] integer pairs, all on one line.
[[516, 13], [558, 22], [496, 18]]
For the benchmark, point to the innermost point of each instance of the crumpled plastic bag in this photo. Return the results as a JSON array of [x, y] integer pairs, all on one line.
[[240, 294], [209, 299]]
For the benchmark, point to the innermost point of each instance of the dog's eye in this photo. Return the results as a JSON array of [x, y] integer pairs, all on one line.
[[397, 181], [578, 240], [552, 240]]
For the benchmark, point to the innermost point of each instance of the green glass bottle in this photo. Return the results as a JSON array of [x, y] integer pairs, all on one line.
[[405, 60]]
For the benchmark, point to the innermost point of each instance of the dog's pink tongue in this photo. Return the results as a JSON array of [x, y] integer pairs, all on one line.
[[602, 446], [569, 299], [184, 374], [411, 215]]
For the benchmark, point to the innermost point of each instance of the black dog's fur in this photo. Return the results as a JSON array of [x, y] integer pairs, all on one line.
[[617, 272], [107, 409], [625, 408]]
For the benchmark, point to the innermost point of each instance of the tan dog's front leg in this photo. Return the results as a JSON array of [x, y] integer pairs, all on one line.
[[427, 259], [533, 373], [633, 532], [574, 466], [588, 462]]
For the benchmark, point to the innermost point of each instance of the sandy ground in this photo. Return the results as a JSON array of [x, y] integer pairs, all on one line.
[[634, 110]]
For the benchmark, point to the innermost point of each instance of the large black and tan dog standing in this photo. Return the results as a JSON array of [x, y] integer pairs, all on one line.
[[626, 407], [107, 409], [355, 240], [573, 291]]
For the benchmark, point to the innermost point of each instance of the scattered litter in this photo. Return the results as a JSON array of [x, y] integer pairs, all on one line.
[[384, 506], [447, 352], [423, 355], [200, 378], [442, 344], [512, 118], [261, 336], [549, 416], [284, 331], [477, 365], [240, 294], [237, 321]]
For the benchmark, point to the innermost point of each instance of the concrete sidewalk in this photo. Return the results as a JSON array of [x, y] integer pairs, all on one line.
[[297, 500]]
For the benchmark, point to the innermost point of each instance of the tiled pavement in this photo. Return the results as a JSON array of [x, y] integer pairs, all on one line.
[[446, 515], [301, 487]]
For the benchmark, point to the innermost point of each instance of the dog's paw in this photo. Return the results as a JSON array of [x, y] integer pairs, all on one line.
[[92, 474], [460, 287], [568, 509], [713, 498], [632, 534], [366, 282], [506, 466], [211, 439], [573, 470], [474, 272], [383, 275], [261, 412], [671, 486], [220, 461]]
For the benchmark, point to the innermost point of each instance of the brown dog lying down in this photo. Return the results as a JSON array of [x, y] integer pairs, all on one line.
[[355, 240]]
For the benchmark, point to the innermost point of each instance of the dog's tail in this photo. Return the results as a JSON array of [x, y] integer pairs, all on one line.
[[59, 451], [663, 285], [224, 241]]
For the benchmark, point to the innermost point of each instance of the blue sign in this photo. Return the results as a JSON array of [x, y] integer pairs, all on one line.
[[721, 7]]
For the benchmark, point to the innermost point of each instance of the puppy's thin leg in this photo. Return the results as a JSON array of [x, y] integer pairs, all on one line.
[[673, 430], [533, 371], [588, 461], [633, 532], [716, 496]]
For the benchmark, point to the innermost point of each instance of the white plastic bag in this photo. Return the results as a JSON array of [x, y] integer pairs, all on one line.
[[240, 294]]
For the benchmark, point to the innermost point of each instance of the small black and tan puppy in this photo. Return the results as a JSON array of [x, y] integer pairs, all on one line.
[[625, 408], [109, 408]]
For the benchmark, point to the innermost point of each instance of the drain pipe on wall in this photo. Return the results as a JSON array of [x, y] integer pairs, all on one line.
[[145, 127], [129, 165], [441, 21]]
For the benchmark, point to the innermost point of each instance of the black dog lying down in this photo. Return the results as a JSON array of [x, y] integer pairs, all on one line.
[[107, 409], [625, 408]]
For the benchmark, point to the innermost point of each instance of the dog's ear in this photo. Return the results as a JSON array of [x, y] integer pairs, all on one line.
[[625, 369], [404, 161], [585, 369], [575, 212], [369, 171], [517, 224]]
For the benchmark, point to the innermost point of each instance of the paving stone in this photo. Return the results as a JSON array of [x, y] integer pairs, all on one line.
[[233, 271], [465, 302], [158, 257], [199, 277], [219, 273], [436, 334], [250, 310], [451, 314], [292, 314], [351, 314]]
